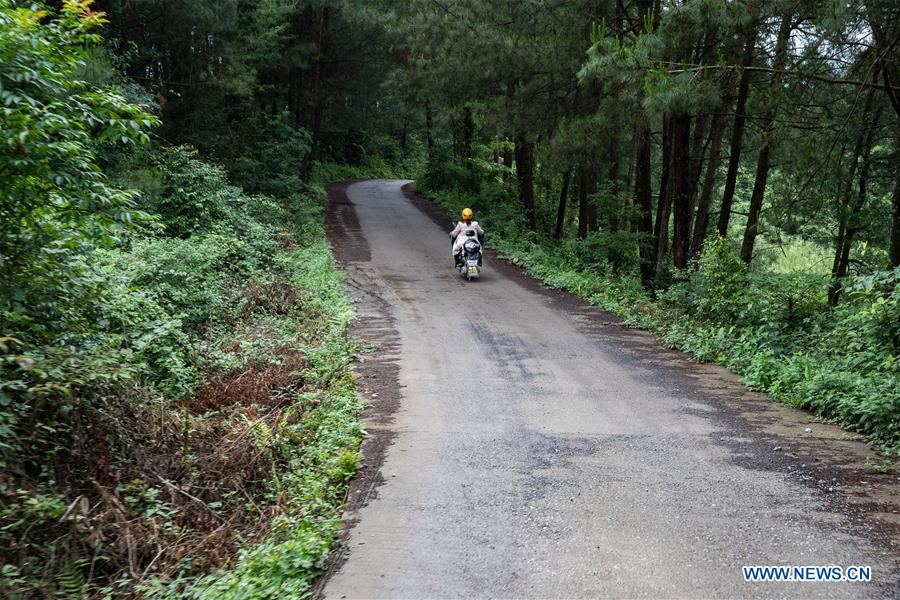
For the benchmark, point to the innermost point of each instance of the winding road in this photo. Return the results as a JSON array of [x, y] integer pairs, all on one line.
[[524, 444]]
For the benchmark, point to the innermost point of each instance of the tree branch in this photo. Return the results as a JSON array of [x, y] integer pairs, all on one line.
[[770, 70]]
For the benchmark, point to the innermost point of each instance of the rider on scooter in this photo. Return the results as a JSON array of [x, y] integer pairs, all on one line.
[[458, 235]]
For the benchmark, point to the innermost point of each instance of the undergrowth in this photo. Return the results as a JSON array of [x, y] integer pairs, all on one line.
[[190, 427], [383, 160]]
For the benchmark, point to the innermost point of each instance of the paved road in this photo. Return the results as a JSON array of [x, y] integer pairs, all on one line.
[[535, 457]]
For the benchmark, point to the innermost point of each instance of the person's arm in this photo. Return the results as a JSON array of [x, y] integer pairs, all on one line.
[[455, 232], [478, 229]]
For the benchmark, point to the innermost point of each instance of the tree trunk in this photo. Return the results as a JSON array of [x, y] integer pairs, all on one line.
[[582, 203], [318, 94], [681, 192], [664, 202], [895, 222], [613, 177], [561, 209], [629, 174], [525, 173], [297, 110], [763, 163], [737, 137], [454, 136], [292, 96], [467, 132], [590, 191], [756, 201], [698, 152], [643, 196], [845, 213], [701, 221], [429, 136], [842, 256]]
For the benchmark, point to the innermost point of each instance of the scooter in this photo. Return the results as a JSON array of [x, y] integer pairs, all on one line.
[[469, 260]]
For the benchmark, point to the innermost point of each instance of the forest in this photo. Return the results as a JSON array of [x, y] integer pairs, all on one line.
[[178, 416]]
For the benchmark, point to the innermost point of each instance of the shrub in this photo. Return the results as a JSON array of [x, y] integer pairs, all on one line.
[[270, 154], [443, 173], [109, 317], [193, 195], [715, 291]]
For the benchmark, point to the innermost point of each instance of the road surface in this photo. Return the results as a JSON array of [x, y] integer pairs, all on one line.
[[534, 449]]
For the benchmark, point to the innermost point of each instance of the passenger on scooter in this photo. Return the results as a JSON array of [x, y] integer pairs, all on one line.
[[458, 235]]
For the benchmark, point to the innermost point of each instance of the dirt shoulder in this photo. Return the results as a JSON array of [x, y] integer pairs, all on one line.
[[376, 370]]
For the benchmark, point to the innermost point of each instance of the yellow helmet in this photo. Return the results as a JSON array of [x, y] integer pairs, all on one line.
[[467, 214]]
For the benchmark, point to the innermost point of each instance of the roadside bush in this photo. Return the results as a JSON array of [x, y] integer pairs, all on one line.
[[870, 318], [715, 291], [173, 359], [445, 173], [774, 331], [195, 279], [151, 339], [190, 197], [270, 154], [604, 252], [141, 325], [381, 158]]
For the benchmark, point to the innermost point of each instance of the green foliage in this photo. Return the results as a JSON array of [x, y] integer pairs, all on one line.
[[320, 449], [56, 206], [129, 318], [193, 196], [160, 307], [269, 153], [774, 331], [383, 161], [114, 318], [53, 197], [714, 292], [443, 173]]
